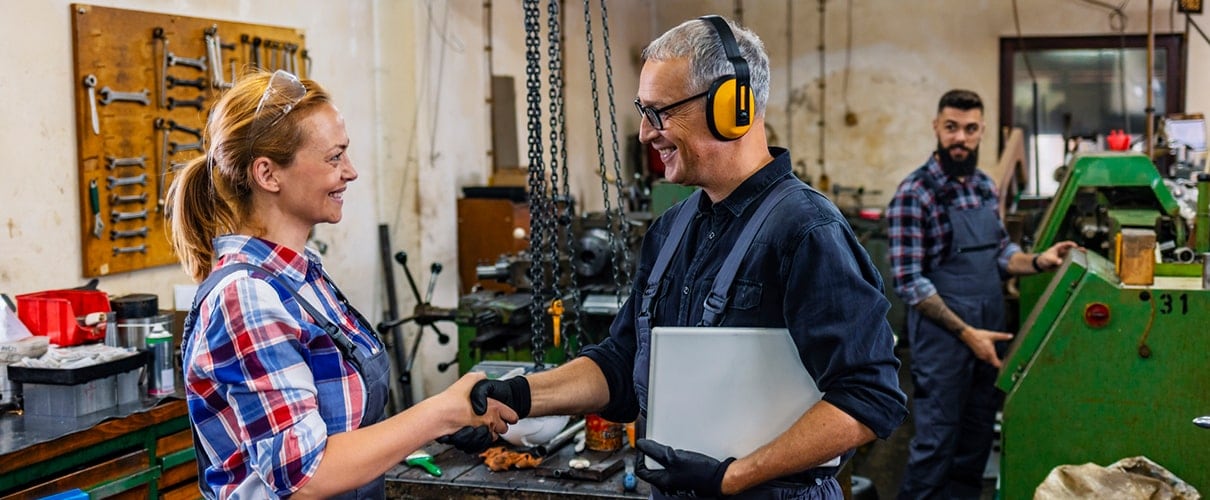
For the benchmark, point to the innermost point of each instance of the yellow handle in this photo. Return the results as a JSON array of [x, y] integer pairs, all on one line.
[[556, 317]]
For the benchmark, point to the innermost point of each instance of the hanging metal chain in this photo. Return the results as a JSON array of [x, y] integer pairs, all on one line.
[[538, 213], [558, 157], [617, 161], [596, 116]]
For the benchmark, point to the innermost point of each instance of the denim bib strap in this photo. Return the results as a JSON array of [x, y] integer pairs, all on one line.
[[716, 301], [675, 234]]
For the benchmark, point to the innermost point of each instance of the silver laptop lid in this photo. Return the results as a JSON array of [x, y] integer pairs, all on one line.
[[724, 392]]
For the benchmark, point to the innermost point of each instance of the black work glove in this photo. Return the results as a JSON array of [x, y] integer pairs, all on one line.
[[685, 473], [469, 439], [513, 392]]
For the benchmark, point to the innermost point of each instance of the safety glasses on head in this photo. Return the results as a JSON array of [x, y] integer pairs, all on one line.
[[655, 116], [281, 95]]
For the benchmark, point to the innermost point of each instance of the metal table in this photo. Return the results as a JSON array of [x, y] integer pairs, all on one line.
[[465, 477]]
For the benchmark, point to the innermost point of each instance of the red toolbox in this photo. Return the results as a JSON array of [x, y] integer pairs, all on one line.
[[59, 315]]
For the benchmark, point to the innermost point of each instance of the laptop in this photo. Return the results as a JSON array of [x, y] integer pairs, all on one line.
[[724, 392]]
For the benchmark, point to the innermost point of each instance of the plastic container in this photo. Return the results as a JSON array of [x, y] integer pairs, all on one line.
[[56, 314], [79, 391]]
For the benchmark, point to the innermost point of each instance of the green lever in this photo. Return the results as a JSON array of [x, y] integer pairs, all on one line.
[[423, 460]]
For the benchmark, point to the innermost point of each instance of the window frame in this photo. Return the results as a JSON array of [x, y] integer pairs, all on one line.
[[1172, 43]]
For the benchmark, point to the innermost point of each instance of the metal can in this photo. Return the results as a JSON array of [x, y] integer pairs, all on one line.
[[161, 376], [601, 434]]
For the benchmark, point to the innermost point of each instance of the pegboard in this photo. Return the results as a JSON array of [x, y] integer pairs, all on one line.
[[144, 82]]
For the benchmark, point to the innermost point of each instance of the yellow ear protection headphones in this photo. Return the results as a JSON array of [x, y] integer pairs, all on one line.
[[729, 100]]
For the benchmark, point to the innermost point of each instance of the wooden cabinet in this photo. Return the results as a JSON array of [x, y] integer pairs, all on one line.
[[487, 229], [145, 454]]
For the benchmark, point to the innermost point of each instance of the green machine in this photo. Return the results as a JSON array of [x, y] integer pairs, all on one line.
[[1101, 194], [1102, 370]]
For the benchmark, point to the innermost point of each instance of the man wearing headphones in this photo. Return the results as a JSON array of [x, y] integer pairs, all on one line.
[[702, 94]]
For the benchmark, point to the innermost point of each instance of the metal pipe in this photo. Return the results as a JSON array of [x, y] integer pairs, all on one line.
[[1201, 243], [825, 183], [400, 399], [560, 439], [489, 91], [1148, 138]]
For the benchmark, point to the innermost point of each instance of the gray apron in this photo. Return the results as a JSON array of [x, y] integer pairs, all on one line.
[[374, 368], [813, 484], [955, 401]]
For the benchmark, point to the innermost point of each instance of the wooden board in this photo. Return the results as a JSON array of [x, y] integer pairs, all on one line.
[[1136, 256], [601, 465], [121, 51]]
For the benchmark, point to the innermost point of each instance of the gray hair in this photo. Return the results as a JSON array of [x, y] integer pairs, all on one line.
[[696, 39]]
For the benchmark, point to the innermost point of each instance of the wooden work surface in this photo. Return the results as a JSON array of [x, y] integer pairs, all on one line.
[[465, 477]]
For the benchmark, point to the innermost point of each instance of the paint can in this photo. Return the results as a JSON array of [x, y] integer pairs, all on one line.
[[601, 434]]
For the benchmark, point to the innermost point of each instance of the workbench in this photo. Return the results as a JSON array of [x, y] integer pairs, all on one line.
[[465, 477], [138, 450]]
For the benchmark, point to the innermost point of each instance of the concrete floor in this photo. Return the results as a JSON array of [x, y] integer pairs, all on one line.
[[882, 461]]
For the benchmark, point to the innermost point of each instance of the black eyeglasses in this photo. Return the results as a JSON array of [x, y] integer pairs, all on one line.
[[655, 116]]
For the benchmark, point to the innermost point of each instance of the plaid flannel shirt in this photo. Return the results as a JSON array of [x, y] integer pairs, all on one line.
[[920, 232], [265, 385]]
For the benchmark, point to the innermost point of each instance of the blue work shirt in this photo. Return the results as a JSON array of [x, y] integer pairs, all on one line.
[[805, 271]]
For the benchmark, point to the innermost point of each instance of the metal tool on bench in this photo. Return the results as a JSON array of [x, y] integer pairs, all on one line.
[[114, 182], [177, 147], [117, 216], [118, 199], [109, 95], [173, 125], [199, 63], [158, 34], [159, 181], [137, 161], [90, 83], [195, 103], [197, 83], [214, 50], [115, 234], [125, 250], [254, 55]]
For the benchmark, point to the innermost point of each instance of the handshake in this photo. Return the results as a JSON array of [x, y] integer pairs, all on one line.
[[496, 404], [510, 402]]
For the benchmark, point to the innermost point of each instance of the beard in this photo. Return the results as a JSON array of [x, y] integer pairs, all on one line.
[[957, 168]]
